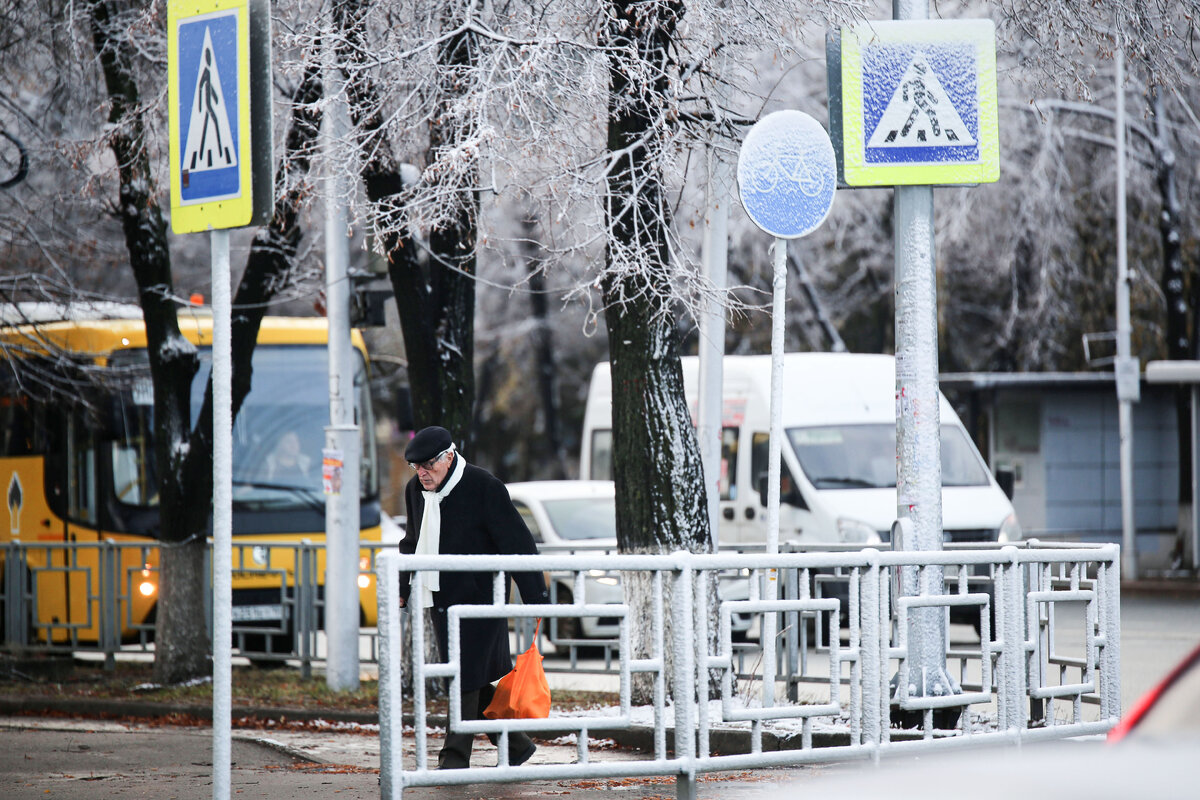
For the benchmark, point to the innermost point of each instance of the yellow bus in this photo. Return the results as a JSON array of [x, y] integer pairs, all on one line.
[[79, 478]]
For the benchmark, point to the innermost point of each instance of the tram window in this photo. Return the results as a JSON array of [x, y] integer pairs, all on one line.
[[21, 433], [134, 479], [81, 461]]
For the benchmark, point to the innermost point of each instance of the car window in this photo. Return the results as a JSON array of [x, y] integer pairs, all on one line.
[[527, 515], [583, 517]]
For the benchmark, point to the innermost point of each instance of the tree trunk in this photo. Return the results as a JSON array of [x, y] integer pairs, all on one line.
[[656, 457], [184, 455], [181, 650], [181, 638], [437, 303]]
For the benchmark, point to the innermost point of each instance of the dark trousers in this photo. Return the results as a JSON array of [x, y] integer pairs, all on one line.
[[456, 752]]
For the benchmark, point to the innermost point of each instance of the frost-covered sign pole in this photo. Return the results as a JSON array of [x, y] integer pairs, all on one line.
[[341, 457], [787, 176], [219, 102], [918, 105]]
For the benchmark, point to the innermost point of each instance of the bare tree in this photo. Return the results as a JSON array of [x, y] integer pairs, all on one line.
[[127, 43]]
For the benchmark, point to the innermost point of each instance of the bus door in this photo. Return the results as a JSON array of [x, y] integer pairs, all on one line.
[[65, 592]]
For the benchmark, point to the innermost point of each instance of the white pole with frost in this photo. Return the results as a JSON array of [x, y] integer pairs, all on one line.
[[341, 435], [222, 498]]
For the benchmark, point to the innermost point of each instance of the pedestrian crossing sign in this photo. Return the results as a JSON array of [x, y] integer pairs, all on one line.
[[919, 103], [210, 128]]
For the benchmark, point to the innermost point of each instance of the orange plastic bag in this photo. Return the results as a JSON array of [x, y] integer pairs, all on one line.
[[524, 692]]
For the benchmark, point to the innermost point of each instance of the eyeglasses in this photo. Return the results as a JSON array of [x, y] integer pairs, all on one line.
[[430, 464]]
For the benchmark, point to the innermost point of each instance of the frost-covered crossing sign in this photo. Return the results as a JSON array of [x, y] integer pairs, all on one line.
[[919, 103], [216, 158]]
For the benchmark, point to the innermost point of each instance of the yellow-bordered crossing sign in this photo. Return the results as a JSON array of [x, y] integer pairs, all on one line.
[[919, 103], [216, 158]]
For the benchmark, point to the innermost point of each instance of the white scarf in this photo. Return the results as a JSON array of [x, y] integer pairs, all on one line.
[[429, 540]]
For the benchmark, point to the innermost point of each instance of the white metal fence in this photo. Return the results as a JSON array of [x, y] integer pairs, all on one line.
[[1048, 667]]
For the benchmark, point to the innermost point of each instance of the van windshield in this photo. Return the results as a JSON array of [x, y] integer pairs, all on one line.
[[864, 456]]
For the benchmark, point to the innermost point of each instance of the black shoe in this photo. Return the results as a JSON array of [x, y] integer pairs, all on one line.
[[453, 761], [516, 761]]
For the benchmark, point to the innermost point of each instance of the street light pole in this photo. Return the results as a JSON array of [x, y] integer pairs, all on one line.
[[1125, 369]]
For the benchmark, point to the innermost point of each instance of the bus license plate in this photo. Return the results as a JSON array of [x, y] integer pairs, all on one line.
[[257, 613]]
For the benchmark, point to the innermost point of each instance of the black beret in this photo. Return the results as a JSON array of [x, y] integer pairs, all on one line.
[[427, 443]]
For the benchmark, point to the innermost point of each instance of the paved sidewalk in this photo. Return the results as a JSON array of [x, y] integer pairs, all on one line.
[[92, 759]]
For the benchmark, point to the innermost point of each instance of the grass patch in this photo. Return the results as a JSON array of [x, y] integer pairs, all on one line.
[[251, 687]]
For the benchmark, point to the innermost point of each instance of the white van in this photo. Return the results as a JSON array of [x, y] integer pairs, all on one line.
[[839, 453]]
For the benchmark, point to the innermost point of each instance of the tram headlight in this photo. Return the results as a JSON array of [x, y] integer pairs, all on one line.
[[147, 587], [364, 577]]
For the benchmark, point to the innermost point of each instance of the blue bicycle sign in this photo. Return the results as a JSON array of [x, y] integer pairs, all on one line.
[[787, 175]]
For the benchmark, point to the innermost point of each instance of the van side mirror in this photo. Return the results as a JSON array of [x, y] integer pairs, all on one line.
[[789, 494], [1006, 478]]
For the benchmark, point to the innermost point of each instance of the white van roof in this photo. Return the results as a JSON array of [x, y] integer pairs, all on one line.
[[818, 388]]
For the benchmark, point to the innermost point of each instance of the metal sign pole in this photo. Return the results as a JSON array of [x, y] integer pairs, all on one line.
[[712, 336], [1125, 370], [787, 177], [222, 382], [341, 435], [918, 420]]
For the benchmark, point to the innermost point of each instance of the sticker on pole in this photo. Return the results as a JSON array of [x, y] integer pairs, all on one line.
[[787, 174], [332, 464], [919, 103]]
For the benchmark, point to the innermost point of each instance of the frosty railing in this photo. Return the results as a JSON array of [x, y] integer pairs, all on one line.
[[1015, 664]]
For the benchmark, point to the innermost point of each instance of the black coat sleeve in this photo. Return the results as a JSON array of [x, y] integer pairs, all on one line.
[[511, 536], [413, 508]]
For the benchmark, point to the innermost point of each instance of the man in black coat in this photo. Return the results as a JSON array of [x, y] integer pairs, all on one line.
[[456, 508]]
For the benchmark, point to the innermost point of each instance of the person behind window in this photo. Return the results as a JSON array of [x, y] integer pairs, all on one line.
[[287, 464]]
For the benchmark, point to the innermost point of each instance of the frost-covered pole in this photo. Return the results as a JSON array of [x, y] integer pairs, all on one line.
[[774, 457], [712, 332], [391, 665], [918, 422], [222, 499], [787, 177], [1126, 367], [341, 435]]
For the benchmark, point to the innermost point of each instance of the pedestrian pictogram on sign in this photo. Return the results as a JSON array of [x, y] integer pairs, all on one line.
[[209, 144], [920, 113], [208, 108], [918, 103]]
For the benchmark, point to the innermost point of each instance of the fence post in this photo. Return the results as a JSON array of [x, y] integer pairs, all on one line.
[[304, 612], [391, 720], [1108, 582], [109, 624], [682, 635], [16, 631], [874, 695], [700, 607], [1011, 619]]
